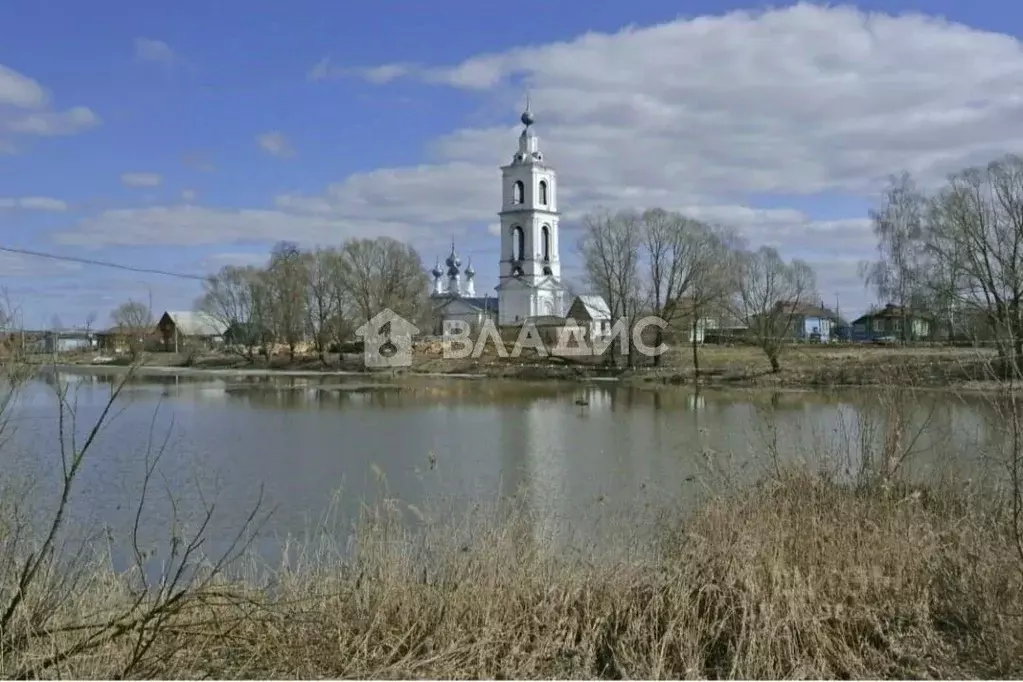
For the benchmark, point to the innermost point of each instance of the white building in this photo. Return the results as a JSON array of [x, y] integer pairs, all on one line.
[[530, 268]]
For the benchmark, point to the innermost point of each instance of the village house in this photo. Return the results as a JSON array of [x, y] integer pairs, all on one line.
[[810, 322], [67, 341], [180, 328], [592, 315], [681, 314], [120, 339], [887, 324]]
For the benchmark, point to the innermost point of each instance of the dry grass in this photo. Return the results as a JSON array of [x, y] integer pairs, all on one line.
[[798, 577]]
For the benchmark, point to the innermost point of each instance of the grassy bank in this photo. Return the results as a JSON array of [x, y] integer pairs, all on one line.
[[803, 366], [797, 577]]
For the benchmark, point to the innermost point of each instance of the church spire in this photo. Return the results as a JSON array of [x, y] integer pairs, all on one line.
[[470, 279], [529, 145], [527, 115], [454, 271]]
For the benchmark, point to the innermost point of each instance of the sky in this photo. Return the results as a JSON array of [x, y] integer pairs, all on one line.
[[186, 136]]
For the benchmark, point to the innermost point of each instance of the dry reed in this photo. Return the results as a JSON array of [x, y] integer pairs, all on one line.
[[797, 577]]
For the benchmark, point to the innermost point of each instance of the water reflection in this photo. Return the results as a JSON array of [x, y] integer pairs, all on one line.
[[574, 456]]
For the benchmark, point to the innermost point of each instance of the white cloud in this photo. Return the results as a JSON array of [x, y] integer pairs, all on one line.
[[219, 260], [275, 144], [21, 91], [324, 70], [141, 179], [189, 195], [33, 204], [24, 265], [716, 104], [51, 123], [151, 50], [25, 109], [189, 225]]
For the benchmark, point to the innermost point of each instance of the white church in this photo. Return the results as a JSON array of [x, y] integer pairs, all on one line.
[[529, 285]]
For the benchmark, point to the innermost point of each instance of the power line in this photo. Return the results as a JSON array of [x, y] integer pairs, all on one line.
[[101, 263]]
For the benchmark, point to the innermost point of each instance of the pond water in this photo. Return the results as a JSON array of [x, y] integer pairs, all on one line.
[[574, 456]]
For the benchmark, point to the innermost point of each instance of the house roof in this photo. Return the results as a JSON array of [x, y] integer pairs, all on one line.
[[595, 306], [808, 310], [487, 303], [891, 311], [190, 323]]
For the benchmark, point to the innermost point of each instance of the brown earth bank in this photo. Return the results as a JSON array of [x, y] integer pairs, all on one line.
[[804, 366]]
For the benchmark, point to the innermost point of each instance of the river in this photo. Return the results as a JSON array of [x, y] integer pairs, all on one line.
[[580, 459]]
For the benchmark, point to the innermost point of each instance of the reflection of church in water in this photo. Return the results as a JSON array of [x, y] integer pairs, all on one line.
[[529, 285]]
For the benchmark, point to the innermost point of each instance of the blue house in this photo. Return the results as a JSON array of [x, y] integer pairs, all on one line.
[[810, 322]]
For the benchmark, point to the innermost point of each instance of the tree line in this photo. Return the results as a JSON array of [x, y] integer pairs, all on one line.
[[321, 295], [955, 251], [664, 263]]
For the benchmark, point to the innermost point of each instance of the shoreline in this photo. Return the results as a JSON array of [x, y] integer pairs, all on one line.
[[529, 373]]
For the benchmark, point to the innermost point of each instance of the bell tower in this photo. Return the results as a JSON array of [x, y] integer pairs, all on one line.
[[530, 266]]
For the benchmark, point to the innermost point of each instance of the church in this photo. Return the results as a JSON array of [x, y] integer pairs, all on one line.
[[529, 285]]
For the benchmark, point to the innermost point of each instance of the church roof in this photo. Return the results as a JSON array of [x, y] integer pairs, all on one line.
[[484, 303]]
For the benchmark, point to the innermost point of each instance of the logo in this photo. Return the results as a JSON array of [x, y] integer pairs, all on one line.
[[387, 340], [569, 339]]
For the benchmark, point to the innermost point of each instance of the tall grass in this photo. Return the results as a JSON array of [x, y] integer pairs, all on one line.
[[801, 574]]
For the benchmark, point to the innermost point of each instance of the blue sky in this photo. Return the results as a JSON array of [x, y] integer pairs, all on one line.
[[204, 131]]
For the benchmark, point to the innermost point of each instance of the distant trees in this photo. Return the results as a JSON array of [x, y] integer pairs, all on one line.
[[134, 321], [683, 270], [320, 295], [383, 273], [957, 252]]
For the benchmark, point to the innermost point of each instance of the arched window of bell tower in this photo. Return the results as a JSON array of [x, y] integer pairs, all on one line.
[[543, 192], [518, 190], [546, 235], [518, 243]]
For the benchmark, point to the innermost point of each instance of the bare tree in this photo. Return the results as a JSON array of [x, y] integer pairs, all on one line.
[[898, 275], [325, 309], [286, 285], [90, 319], [671, 250], [610, 249], [384, 273], [232, 297], [975, 236], [135, 321], [770, 294], [714, 281]]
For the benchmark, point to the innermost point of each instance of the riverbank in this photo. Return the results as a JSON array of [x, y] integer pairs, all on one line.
[[796, 577], [739, 367]]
